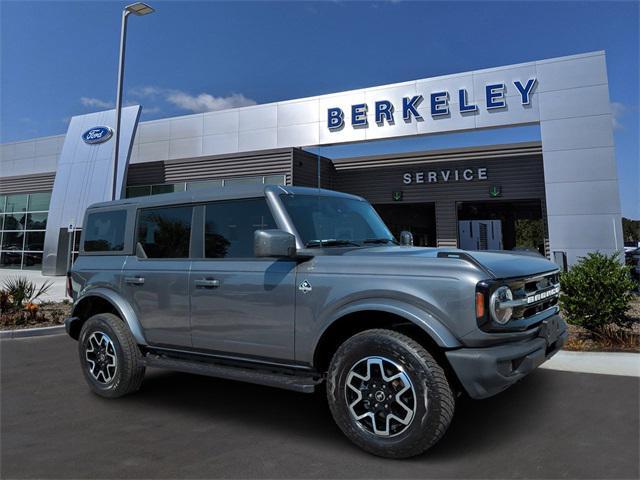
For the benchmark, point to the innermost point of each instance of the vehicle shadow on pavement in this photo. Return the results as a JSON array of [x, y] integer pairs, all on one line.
[[478, 425], [214, 399]]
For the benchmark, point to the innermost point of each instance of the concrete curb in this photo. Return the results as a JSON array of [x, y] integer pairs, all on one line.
[[32, 332], [605, 363]]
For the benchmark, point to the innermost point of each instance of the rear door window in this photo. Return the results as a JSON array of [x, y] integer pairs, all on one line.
[[104, 231], [165, 232], [229, 227]]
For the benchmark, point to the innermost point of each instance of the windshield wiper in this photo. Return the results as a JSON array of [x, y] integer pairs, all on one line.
[[332, 242], [380, 240]]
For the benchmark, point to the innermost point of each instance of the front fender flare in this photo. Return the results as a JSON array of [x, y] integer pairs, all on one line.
[[120, 304], [418, 316]]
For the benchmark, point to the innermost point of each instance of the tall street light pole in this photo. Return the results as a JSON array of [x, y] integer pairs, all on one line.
[[137, 9]]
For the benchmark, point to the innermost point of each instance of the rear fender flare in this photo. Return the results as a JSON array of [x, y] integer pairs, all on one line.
[[121, 305]]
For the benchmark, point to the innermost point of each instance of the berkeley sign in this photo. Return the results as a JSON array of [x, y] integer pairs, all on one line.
[[384, 110]]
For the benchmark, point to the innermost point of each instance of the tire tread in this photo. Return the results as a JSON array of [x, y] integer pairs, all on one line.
[[132, 366], [445, 406]]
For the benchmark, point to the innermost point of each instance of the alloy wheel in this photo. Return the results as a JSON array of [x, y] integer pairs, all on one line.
[[100, 354], [380, 396]]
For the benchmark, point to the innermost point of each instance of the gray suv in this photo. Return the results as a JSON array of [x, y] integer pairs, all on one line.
[[295, 288]]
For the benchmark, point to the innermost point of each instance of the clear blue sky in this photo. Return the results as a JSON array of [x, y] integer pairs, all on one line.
[[58, 59]]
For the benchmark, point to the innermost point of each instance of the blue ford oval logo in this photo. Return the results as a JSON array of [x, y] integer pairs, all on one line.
[[97, 135]]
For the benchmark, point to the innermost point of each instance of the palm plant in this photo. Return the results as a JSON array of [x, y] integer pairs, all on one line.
[[22, 291]]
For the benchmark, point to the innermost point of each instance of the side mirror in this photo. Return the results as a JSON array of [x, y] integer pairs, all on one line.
[[406, 238], [274, 243]]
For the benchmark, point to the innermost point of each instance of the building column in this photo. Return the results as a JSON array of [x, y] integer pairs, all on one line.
[[582, 198]]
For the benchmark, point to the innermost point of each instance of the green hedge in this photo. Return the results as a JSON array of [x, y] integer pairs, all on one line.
[[596, 291]]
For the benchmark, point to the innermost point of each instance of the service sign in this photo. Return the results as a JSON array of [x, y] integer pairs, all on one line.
[[97, 135], [445, 176]]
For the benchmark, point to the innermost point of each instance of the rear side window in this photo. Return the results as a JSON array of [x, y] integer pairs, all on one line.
[[104, 231], [165, 232], [229, 227]]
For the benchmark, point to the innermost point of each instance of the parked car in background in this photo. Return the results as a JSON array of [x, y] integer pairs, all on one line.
[[632, 259]]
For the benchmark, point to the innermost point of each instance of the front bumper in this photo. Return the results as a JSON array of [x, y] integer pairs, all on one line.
[[485, 372]]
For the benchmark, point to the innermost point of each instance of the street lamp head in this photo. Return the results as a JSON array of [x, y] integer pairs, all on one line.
[[139, 8]]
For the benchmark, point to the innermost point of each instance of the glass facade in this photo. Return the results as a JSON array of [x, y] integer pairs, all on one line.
[[23, 221], [144, 190]]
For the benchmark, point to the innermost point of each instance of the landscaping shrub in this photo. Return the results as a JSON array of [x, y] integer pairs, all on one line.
[[596, 292], [20, 292], [17, 303]]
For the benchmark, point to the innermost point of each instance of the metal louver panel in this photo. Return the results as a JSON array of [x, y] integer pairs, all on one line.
[[266, 163], [42, 182]]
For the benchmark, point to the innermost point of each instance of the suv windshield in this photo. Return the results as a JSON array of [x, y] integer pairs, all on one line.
[[323, 220]]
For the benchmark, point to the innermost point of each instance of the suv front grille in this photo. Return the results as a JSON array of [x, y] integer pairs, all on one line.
[[534, 295]]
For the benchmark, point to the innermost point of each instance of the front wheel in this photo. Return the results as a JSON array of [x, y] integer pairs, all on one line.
[[109, 356], [388, 395]]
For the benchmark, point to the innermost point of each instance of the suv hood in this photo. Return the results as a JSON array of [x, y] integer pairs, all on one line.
[[499, 264]]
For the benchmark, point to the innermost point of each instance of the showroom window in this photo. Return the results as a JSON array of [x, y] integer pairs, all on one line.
[[23, 222]]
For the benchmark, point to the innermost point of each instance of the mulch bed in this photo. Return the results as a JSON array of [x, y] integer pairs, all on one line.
[[622, 340], [49, 314]]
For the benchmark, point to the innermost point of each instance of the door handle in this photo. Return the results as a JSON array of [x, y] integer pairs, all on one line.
[[134, 280], [207, 283]]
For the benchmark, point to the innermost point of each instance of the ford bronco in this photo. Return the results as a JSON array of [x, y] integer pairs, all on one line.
[[294, 288]]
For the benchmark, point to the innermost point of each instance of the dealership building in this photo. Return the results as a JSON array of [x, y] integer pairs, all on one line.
[[558, 195]]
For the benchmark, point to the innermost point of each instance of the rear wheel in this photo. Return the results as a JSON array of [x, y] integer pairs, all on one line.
[[388, 394], [109, 356]]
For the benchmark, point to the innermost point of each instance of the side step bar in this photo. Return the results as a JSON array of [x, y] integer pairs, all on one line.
[[296, 383]]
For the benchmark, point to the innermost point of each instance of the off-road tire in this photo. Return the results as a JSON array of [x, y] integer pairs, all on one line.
[[130, 368], [434, 404]]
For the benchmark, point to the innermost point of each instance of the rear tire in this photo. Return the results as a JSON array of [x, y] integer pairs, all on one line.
[[388, 395], [110, 358]]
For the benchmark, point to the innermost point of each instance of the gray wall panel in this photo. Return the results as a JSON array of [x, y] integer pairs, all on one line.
[[274, 162], [30, 157], [149, 173], [586, 213], [305, 170]]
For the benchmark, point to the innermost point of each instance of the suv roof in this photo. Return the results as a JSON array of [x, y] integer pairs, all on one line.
[[225, 193]]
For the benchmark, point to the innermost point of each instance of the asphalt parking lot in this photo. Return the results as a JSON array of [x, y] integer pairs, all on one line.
[[552, 424]]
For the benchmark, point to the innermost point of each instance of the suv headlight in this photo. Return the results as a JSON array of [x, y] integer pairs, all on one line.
[[501, 314]]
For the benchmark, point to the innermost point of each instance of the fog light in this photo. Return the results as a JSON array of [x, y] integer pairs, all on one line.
[[501, 314]]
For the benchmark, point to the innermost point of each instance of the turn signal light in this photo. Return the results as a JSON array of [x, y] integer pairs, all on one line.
[[479, 305]]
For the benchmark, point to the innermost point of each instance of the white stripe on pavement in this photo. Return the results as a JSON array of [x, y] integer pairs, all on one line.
[[607, 363]]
